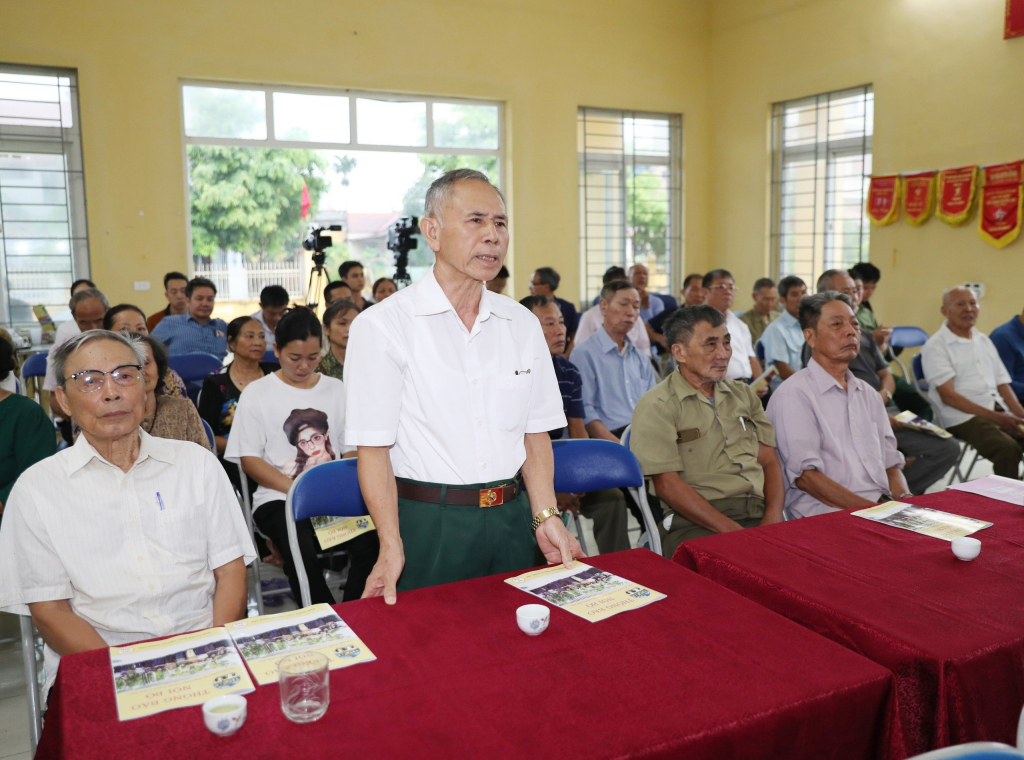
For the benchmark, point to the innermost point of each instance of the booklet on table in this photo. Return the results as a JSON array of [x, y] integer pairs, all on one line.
[[177, 672], [331, 531], [912, 421], [589, 592], [266, 640], [994, 487], [928, 522]]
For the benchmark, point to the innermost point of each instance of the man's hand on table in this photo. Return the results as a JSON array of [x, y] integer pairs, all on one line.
[[383, 580], [556, 543]]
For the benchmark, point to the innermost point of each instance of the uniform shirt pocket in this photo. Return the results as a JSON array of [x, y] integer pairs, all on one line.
[[513, 400]]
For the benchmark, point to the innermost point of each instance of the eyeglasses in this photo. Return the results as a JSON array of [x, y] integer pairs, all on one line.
[[724, 288], [315, 440], [91, 380]]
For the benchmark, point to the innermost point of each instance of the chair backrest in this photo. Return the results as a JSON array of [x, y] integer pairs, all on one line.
[[209, 435], [593, 465], [270, 356], [907, 336], [759, 350], [972, 751], [671, 304], [34, 366], [918, 368], [193, 368], [328, 490]]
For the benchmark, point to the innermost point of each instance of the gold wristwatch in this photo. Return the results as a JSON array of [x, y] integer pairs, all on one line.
[[542, 516]]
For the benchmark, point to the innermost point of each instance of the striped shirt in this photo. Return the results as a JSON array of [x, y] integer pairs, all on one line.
[[134, 553], [570, 384], [182, 334]]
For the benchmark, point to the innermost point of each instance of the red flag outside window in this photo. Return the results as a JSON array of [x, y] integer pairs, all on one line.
[[306, 202]]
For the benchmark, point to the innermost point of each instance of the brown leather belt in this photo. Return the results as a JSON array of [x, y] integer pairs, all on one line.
[[456, 495]]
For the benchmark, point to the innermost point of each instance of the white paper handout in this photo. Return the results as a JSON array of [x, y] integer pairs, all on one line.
[[995, 487]]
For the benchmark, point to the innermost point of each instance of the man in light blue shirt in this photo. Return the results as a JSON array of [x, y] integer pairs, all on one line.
[[615, 373], [783, 339], [196, 331]]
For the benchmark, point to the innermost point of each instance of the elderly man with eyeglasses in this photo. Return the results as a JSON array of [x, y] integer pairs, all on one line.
[[721, 292], [121, 537]]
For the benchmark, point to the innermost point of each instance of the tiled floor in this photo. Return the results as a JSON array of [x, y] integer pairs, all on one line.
[[14, 726]]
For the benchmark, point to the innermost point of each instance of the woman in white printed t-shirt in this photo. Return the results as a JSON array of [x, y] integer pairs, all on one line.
[[285, 423]]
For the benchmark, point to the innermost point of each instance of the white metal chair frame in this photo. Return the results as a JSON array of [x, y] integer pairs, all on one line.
[[28, 656], [257, 592], [651, 537], [973, 748]]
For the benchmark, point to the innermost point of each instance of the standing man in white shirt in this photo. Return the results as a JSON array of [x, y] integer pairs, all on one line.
[[123, 536], [970, 387], [721, 289], [451, 394]]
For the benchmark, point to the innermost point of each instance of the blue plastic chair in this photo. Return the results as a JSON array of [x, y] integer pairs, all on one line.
[[973, 751], [670, 303], [593, 465], [209, 435], [328, 490], [193, 369], [759, 350], [270, 357], [919, 382], [906, 336], [34, 366]]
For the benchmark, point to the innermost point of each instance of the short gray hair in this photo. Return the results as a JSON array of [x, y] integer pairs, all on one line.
[[87, 295], [811, 306], [66, 350], [440, 191], [828, 279], [680, 326]]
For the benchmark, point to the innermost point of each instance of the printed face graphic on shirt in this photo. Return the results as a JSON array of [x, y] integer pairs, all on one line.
[[307, 431]]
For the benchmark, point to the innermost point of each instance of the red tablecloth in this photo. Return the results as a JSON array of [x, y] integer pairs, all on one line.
[[701, 674], [951, 631]]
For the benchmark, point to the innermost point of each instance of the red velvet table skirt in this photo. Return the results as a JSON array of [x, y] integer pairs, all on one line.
[[952, 632], [701, 674]]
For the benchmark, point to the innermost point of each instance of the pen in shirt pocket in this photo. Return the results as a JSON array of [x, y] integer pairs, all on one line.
[[160, 501]]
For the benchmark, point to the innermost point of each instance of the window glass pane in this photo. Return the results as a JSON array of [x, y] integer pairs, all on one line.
[[460, 125], [311, 118], [387, 122], [218, 112]]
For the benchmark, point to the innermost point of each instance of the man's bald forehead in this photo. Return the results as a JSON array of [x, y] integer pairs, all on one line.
[[954, 293]]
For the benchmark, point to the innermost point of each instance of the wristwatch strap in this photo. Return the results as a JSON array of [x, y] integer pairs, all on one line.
[[542, 516]]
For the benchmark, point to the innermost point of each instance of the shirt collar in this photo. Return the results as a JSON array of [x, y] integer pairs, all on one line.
[[682, 388], [789, 319], [83, 452], [950, 335], [823, 381], [430, 299], [607, 344]]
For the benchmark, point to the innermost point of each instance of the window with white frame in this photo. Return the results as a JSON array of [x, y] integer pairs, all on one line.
[[43, 238], [821, 166], [630, 169], [265, 162]]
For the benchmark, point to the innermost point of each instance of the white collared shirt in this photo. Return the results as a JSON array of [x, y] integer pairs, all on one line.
[[974, 366], [268, 334], [65, 332], [453, 403], [742, 349], [133, 552], [592, 320]]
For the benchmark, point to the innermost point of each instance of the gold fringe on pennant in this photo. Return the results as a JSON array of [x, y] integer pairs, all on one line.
[[956, 208], [883, 201], [918, 197]]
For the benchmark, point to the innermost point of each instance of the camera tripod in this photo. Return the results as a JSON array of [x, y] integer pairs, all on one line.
[[318, 278]]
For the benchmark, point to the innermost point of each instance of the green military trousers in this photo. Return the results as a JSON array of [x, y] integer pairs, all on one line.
[[454, 542], [748, 511]]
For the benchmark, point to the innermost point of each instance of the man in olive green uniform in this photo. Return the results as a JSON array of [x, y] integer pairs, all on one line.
[[704, 440], [766, 302]]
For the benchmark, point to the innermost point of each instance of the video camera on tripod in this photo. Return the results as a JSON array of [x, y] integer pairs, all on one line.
[[317, 240], [401, 240]]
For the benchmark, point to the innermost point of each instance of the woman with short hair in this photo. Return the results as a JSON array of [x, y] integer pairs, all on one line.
[[337, 319], [128, 318], [167, 416]]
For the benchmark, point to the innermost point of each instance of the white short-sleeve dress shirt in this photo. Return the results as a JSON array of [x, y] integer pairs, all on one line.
[[974, 366], [134, 553], [453, 403], [742, 349]]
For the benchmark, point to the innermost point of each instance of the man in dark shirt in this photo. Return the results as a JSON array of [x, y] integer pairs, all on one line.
[[544, 283], [1008, 339]]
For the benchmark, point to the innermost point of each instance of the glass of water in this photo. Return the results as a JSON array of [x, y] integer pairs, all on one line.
[[305, 686]]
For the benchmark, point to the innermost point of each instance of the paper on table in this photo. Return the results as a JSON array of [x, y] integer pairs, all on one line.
[[587, 591], [266, 640], [331, 531], [927, 522], [995, 487], [177, 672]]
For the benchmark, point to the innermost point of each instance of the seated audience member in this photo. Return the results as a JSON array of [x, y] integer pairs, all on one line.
[[545, 282], [335, 290], [970, 387], [869, 275], [26, 433], [650, 304], [286, 423], [88, 307], [273, 302], [706, 440], [127, 318], [10, 383], [337, 320], [498, 282], [783, 339], [352, 273], [693, 290], [766, 302], [166, 416], [1008, 339], [177, 303], [383, 288], [593, 318], [198, 331], [834, 439], [123, 536], [721, 289]]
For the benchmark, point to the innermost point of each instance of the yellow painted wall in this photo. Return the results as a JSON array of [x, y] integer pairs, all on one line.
[[947, 93], [543, 58]]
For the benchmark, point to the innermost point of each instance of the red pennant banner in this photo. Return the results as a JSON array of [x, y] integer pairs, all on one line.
[[882, 205], [956, 194], [1000, 205], [918, 196]]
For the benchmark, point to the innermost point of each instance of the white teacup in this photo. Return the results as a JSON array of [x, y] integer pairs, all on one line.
[[533, 619], [225, 715], [966, 548]]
